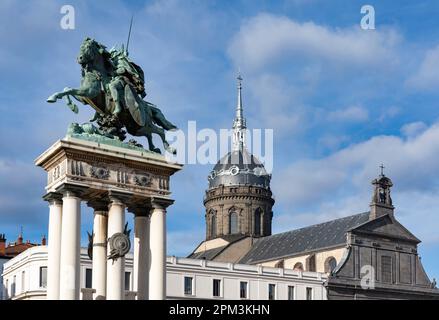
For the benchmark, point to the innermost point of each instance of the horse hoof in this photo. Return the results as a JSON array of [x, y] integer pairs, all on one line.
[[156, 150], [52, 98], [171, 150]]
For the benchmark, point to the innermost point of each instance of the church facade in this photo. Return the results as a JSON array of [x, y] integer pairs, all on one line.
[[369, 255]]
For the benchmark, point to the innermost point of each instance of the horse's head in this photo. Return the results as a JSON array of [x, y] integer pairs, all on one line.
[[89, 51]]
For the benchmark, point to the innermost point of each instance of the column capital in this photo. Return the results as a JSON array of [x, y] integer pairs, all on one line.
[[140, 208], [161, 203], [53, 198], [98, 204], [118, 197], [69, 190]]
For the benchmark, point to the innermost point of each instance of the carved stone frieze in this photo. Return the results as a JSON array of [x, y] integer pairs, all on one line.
[[100, 173]]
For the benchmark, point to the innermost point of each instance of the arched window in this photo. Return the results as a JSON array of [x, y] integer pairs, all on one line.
[[330, 264], [311, 263], [280, 264], [233, 222], [298, 266], [258, 217], [213, 225]]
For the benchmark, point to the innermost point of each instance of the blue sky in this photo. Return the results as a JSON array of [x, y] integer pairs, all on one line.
[[341, 101]]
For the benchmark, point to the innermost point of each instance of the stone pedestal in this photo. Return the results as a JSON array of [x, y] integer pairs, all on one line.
[[80, 169]]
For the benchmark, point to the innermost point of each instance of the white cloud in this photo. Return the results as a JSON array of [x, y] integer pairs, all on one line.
[[426, 77], [279, 104], [411, 163], [387, 113], [413, 129], [316, 190], [332, 142], [266, 38], [350, 114]]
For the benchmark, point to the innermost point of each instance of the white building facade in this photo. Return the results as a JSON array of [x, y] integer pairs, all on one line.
[[25, 277]]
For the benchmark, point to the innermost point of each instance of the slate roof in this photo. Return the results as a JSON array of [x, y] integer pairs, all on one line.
[[315, 237], [251, 171], [212, 253], [207, 254]]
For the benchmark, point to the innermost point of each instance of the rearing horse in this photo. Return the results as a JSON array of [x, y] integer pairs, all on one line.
[[139, 117]]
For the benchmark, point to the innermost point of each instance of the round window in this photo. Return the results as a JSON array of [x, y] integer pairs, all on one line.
[[234, 170]]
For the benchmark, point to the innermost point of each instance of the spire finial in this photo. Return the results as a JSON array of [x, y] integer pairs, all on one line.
[[239, 125], [382, 169]]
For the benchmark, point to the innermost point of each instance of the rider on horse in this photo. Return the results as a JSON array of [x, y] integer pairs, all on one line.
[[125, 73]]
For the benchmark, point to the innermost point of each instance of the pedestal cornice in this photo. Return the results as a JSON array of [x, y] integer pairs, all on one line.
[[94, 171]]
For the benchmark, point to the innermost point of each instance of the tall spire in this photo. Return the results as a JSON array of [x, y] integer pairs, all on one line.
[[239, 125]]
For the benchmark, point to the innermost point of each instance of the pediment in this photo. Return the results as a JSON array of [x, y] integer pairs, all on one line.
[[386, 226]]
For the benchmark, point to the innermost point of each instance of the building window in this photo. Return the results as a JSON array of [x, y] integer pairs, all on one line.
[[271, 291], [43, 277], [233, 222], [330, 264], [188, 285], [258, 217], [311, 263], [213, 225], [216, 287], [290, 292], [298, 266], [386, 269], [243, 290], [308, 293], [23, 281], [127, 280], [13, 286], [88, 278]]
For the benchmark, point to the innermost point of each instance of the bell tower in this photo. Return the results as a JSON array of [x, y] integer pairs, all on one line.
[[381, 203], [238, 200]]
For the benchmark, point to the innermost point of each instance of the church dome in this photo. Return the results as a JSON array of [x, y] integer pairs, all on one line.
[[239, 167]]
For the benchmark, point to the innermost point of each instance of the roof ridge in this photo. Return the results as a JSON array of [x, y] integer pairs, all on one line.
[[317, 224]]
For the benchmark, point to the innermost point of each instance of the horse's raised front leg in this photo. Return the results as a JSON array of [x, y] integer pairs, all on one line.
[[89, 92]]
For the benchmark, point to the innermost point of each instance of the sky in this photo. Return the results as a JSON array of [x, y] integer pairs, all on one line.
[[341, 101]]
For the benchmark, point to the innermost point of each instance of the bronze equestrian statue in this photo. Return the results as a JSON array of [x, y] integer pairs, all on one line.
[[115, 87]]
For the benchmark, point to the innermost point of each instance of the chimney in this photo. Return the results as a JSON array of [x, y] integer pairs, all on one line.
[[381, 201], [43, 240], [2, 244]]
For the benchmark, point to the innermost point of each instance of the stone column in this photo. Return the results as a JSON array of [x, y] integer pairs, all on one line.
[[69, 288], [54, 246], [115, 268], [157, 272], [99, 262], [141, 253]]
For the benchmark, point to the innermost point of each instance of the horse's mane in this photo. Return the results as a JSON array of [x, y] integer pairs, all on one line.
[[102, 50]]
